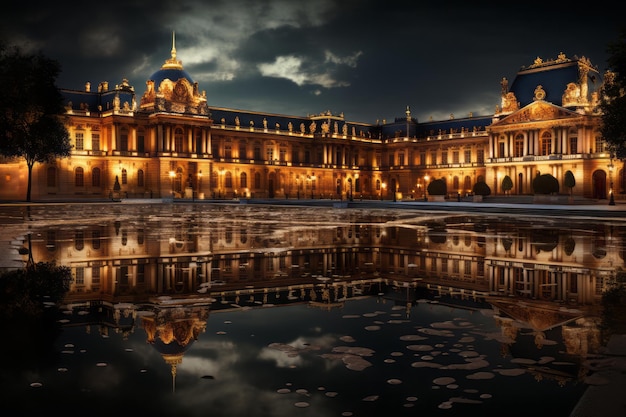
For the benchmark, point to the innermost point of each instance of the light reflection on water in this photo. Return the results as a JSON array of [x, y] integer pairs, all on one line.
[[230, 310]]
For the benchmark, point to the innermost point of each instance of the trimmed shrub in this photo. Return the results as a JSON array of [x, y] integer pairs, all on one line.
[[545, 184], [438, 187], [481, 188]]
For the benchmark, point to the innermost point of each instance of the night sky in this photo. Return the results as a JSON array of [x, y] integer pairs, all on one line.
[[366, 59]]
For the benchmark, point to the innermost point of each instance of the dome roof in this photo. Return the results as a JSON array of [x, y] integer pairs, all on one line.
[[172, 69]]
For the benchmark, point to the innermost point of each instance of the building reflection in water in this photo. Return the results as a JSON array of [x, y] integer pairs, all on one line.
[[536, 275]]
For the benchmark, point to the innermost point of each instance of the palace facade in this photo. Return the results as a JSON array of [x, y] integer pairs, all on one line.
[[171, 143]]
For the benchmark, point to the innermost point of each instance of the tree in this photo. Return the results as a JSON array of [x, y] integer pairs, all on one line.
[[507, 184], [613, 98], [438, 187], [545, 184], [569, 181], [481, 188], [31, 110]]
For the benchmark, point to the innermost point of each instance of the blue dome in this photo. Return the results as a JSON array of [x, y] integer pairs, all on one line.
[[171, 74]]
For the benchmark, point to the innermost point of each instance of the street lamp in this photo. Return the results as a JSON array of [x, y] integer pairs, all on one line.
[[612, 199]]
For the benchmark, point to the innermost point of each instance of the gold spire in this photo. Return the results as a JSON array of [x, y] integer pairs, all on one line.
[[173, 63]]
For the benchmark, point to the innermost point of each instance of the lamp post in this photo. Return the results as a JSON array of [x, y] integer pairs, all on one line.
[[425, 182], [611, 199]]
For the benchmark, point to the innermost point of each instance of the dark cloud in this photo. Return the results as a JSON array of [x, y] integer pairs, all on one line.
[[368, 59]]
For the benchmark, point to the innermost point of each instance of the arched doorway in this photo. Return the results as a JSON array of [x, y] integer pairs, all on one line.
[[598, 184], [520, 184]]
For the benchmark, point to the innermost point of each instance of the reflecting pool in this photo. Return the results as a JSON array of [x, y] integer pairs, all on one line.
[[230, 310]]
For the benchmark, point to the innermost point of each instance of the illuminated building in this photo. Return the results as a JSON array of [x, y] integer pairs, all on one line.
[[171, 142]]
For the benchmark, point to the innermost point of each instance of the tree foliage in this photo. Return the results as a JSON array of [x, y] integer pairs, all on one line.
[[613, 97], [438, 187], [507, 184], [24, 291], [481, 188], [545, 184], [31, 109]]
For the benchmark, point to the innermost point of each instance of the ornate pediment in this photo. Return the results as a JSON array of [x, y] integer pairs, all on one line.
[[538, 111]]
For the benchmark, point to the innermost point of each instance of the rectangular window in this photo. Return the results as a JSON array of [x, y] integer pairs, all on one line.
[[95, 141], [573, 145], [468, 156], [269, 153], [423, 159], [480, 156], [455, 157], [433, 158], [95, 275], [444, 158], [257, 153], [80, 276], [123, 142], [141, 144], [80, 145], [401, 159], [242, 151], [391, 159]]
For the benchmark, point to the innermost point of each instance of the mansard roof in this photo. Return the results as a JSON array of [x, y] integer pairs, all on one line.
[[259, 120], [554, 76], [104, 99]]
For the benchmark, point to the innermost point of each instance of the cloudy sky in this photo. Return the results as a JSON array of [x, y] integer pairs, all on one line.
[[367, 59]]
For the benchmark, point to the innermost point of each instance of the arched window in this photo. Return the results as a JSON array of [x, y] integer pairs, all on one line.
[[79, 240], [228, 180], [124, 176], [257, 180], [545, 143], [79, 177], [51, 176], [243, 179], [140, 178], [95, 177]]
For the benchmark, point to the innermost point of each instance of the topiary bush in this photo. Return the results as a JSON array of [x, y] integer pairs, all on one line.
[[438, 187], [545, 184], [481, 188]]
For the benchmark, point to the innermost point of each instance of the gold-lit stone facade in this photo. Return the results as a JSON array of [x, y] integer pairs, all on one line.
[[174, 144]]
